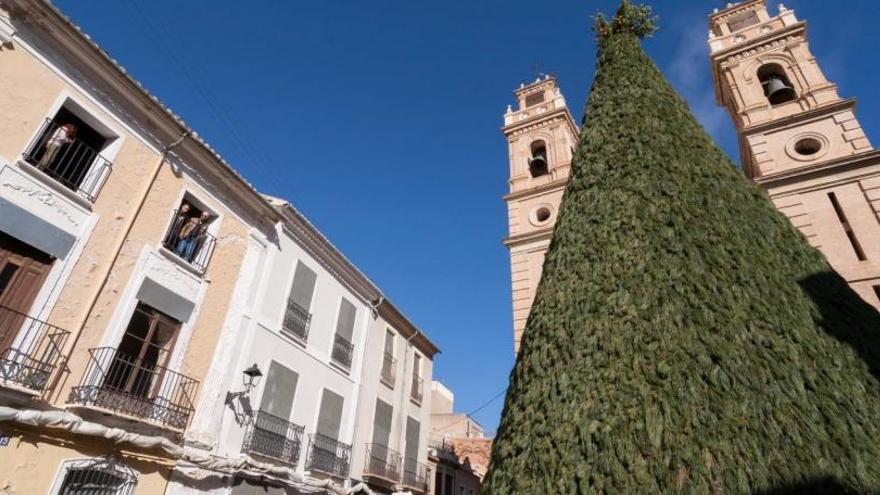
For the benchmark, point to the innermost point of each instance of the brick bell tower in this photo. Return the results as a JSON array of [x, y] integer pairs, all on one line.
[[799, 140], [541, 134]]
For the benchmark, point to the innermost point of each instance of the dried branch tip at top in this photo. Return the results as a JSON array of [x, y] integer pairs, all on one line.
[[636, 19]]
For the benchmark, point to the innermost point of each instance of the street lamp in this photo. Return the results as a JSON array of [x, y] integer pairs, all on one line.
[[252, 377], [236, 400]]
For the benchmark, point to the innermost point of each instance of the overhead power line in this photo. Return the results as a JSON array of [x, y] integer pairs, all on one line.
[[475, 411], [245, 147]]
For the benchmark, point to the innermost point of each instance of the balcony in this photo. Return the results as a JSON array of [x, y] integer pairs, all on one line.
[[383, 463], [70, 162], [342, 351], [135, 387], [415, 475], [328, 456], [296, 322], [389, 370], [192, 244], [30, 349], [273, 437], [415, 392]]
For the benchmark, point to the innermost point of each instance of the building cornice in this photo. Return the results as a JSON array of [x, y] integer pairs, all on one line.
[[779, 37], [798, 118], [802, 174], [407, 329], [130, 100], [316, 244], [733, 10], [558, 184], [331, 258], [540, 120], [538, 235]]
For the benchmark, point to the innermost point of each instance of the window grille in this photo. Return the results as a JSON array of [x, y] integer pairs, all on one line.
[[101, 476]]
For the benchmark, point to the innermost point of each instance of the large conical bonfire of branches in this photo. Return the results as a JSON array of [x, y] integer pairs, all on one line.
[[685, 338]]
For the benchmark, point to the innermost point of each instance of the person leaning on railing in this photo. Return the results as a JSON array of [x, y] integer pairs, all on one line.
[[179, 221], [61, 136], [192, 235]]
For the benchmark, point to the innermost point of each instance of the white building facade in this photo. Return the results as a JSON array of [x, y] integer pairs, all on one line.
[[315, 327], [391, 439]]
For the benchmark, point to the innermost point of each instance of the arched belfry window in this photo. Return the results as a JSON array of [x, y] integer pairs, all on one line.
[[538, 161], [777, 87]]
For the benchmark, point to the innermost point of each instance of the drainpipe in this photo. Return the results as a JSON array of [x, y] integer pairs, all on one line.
[[117, 248], [374, 307]]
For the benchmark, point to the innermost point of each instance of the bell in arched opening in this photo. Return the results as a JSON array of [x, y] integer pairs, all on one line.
[[538, 165], [777, 87]]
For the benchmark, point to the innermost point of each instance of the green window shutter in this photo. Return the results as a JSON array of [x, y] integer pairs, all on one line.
[[345, 322], [303, 286], [382, 423], [330, 414], [279, 391]]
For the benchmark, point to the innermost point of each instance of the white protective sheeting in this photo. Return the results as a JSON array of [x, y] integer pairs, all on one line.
[[65, 420]]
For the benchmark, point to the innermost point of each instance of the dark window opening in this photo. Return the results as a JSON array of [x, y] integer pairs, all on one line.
[[860, 253], [69, 150], [535, 99], [538, 165], [808, 146], [777, 87], [188, 235], [543, 214]]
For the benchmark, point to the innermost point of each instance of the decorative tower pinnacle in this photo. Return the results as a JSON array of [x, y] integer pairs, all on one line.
[[799, 140], [540, 134]]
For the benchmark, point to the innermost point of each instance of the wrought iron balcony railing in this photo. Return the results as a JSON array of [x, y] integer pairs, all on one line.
[[415, 392], [196, 248], [30, 349], [342, 351], [415, 475], [389, 370], [70, 162], [296, 322], [328, 455], [273, 437], [382, 462], [135, 387]]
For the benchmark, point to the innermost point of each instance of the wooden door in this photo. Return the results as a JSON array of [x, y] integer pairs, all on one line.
[[138, 365], [22, 272]]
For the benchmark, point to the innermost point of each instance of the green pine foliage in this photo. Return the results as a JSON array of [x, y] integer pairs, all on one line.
[[685, 338]]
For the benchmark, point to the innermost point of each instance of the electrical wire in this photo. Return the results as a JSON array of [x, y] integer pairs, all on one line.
[[161, 35], [475, 411]]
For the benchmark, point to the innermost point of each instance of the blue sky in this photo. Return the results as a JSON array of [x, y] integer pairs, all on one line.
[[380, 121]]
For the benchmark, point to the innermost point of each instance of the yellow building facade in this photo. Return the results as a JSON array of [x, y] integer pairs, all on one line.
[[122, 238]]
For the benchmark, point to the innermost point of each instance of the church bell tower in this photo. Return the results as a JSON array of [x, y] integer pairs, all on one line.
[[799, 140], [540, 137]]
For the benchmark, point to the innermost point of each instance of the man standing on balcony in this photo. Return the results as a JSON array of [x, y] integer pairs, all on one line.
[[62, 135], [180, 220], [192, 234]]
